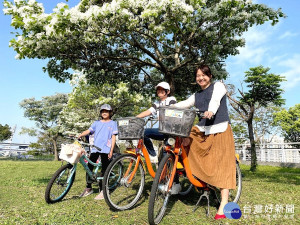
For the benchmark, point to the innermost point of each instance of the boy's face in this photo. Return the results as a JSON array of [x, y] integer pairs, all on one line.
[[161, 93], [105, 114]]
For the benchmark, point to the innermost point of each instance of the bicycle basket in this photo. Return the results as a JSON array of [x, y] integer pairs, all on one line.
[[130, 128], [70, 153], [175, 121]]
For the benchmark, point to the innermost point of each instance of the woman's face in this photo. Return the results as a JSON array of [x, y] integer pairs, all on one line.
[[202, 79]]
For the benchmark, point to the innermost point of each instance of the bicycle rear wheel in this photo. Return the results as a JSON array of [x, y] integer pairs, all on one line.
[[234, 195], [60, 184], [160, 194], [121, 190]]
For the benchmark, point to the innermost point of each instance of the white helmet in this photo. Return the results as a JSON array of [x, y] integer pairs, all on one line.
[[163, 85]]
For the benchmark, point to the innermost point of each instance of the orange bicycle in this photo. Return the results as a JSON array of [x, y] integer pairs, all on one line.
[[178, 123], [127, 171]]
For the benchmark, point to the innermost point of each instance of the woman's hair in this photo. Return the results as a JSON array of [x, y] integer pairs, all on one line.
[[205, 69]]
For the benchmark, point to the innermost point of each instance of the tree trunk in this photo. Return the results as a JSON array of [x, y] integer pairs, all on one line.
[[170, 79], [252, 143], [55, 149]]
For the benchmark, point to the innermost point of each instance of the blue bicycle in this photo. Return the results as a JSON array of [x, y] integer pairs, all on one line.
[[62, 180]]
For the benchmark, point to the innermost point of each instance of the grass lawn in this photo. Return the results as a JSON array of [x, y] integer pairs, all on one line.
[[269, 196]]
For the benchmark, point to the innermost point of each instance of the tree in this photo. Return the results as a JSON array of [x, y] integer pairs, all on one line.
[[45, 113], [263, 89], [86, 99], [5, 132], [264, 128], [289, 121], [136, 41]]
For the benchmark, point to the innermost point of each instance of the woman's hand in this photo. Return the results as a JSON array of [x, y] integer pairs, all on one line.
[[208, 114]]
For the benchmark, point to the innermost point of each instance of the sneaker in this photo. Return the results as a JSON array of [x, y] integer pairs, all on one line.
[[176, 188], [100, 196], [153, 159], [86, 192]]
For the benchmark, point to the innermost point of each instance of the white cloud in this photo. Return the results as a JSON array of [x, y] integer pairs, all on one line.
[[292, 74], [251, 54], [256, 47], [258, 35], [287, 34]]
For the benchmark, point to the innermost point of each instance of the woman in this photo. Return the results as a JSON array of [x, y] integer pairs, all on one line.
[[212, 151]]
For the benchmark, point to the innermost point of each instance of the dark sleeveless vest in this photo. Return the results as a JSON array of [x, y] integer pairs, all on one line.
[[202, 99]]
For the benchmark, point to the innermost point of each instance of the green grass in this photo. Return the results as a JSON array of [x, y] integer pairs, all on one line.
[[23, 183]]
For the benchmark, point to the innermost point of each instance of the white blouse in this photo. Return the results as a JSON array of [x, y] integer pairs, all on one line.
[[218, 93]]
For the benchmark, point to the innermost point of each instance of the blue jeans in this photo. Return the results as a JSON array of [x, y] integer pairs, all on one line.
[[153, 134]]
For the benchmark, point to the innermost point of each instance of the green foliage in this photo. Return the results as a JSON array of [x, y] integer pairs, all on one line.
[[263, 87], [289, 121], [46, 114], [86, 99], [133, 40], [263, 126], [5, 132], [34, 152]]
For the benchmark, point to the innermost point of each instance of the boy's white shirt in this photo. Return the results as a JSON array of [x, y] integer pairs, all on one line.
[[218, 93], [161, 103]]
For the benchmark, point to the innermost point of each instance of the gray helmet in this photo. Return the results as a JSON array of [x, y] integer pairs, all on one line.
[[106, 107]]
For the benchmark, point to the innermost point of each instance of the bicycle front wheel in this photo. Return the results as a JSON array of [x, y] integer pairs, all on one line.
[[123, 182], [160, 194], [60, 184]]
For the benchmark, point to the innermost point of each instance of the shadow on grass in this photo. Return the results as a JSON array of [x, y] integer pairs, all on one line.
[[43, 180], [190, 199]]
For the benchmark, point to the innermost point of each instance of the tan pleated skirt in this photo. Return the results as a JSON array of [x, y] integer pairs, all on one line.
[[212, 158]]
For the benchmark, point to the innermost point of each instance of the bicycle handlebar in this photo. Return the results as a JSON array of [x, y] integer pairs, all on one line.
[[150, 118], [201, 114], [83, 143]]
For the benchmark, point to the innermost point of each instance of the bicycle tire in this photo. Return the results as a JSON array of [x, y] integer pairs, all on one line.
[[234, 195], [159, 190], [60, 184], [186, 185], [118, 193]]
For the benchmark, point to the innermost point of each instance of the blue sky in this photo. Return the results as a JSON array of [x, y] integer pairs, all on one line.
[[276, 47]]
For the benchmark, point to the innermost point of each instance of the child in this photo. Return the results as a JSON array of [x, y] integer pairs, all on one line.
[[105, 131], [162, 91]]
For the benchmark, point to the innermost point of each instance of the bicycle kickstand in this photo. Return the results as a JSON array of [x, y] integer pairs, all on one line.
[[206, 195]]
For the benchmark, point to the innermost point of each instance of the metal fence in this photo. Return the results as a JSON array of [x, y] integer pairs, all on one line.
[[271, 152]]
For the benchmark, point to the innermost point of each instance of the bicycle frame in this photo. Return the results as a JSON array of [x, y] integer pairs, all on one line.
[[181, 155], [140, 147]]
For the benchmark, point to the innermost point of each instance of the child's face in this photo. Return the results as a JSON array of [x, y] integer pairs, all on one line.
[[105, 114], [161, 93]]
